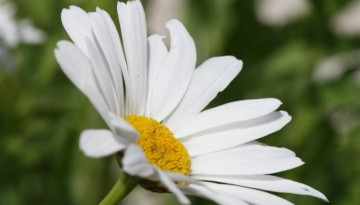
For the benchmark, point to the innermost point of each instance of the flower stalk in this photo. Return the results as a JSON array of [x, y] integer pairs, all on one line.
[[123, 186]]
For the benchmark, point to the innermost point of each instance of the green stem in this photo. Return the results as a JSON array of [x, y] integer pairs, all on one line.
[[122, 187]]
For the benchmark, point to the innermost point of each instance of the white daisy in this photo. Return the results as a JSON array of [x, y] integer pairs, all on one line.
[[346, 22], [13, 32], [281, 12], [152, 99]]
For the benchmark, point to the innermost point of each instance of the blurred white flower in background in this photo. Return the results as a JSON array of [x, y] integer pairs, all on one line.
[[29, 34], [344, 120], [357, 76], [334, 67], [6, 62], [281, 12], [13, 31], [328, 69], [347, 21], [7, 24]]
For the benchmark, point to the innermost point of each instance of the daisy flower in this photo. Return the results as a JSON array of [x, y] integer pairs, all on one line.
[[153, 99]]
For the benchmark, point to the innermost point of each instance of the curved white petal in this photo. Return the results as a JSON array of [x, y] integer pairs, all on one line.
[[156, 55], [118, 49], [92, 33], [175, 73], [101, 75], [251, 196], [252, 150], [77, 24], [172, 187], [134, 36], [115, 39], [266, 182], [182, 178], [78, 69], [210, 78], [100, 143], [108, 43], [226, 114], [135, 164], [123, 129], [218, 197], [74, 64], [236, 134], [248, 159]]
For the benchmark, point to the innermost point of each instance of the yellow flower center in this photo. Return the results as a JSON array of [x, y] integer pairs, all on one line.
[[160, 146]]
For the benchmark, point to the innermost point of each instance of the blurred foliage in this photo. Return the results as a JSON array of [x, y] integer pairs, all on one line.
[[42, 113]]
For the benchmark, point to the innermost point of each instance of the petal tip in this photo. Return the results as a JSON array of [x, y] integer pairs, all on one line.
[[172, 22]]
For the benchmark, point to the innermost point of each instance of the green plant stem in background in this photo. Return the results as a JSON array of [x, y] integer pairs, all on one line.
[[121, 189]]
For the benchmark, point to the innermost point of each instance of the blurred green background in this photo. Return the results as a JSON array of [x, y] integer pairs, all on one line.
[[42, 113]]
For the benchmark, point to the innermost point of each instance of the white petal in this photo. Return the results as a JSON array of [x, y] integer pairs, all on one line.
[[91, 38], [99, 143], [268, 183], [248, 159], [119, 53], [74, 64], [226, 114], [101, 75], [172, 187], [236, 134], [251, 196], [251, 150], [77, 24], [118, 50], [156, 54], [133, 30], [123, 129], [210, 78], [78, 69], [175, 73], [109, 44], [218, 197], [182, 178], [136, 164]]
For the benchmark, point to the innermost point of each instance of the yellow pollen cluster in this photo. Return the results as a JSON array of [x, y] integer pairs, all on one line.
[[160, 146]]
